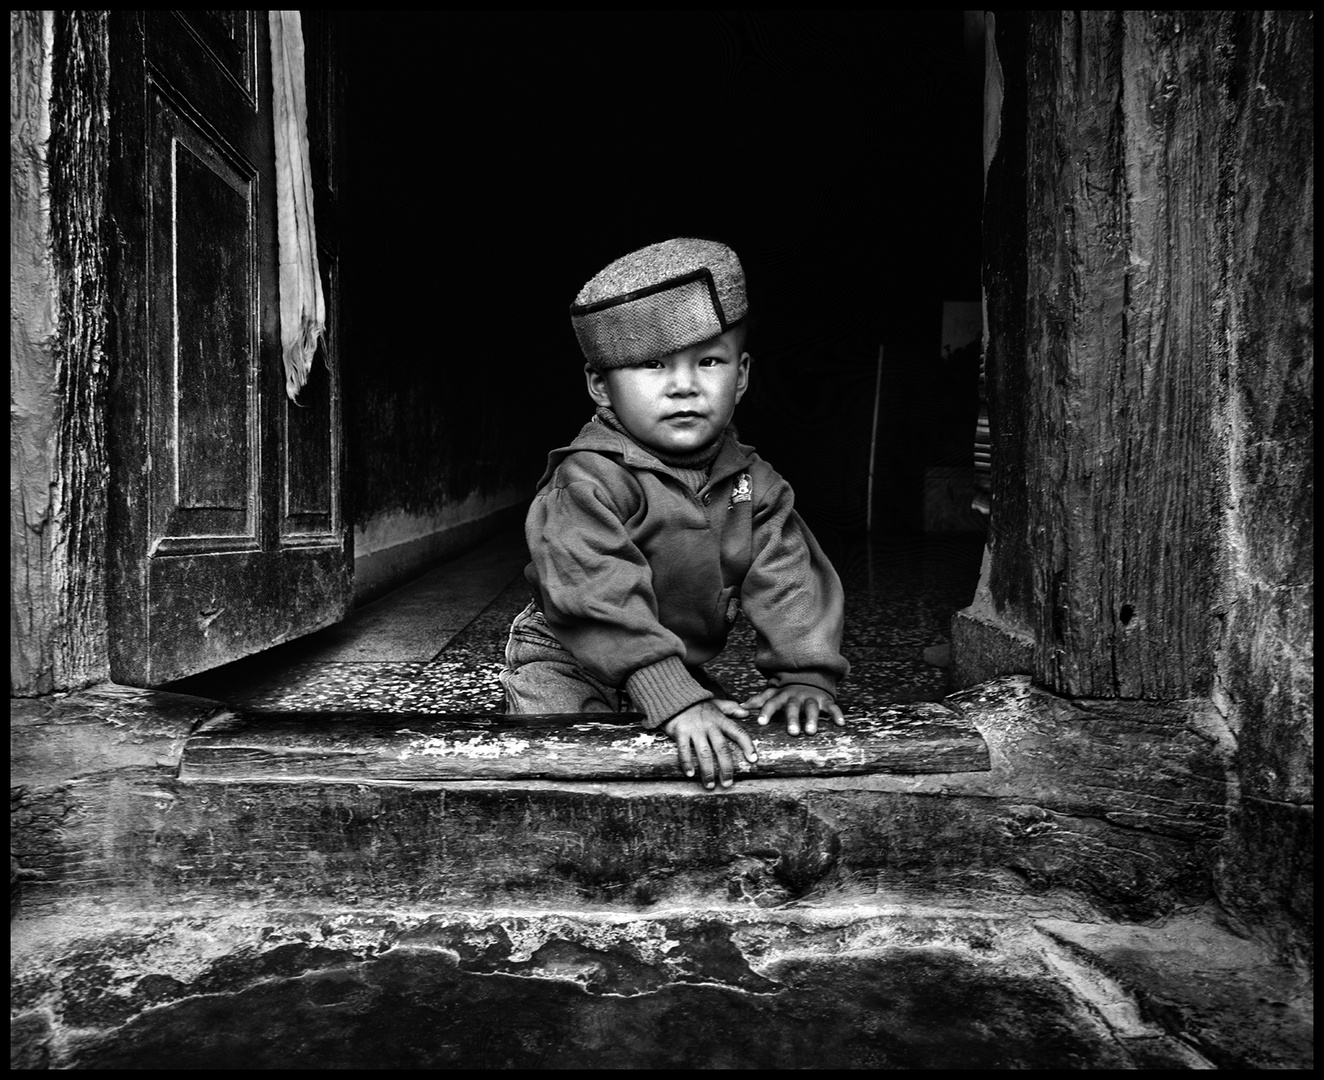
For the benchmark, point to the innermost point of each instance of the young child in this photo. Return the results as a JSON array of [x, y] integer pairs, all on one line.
[[656, 527]]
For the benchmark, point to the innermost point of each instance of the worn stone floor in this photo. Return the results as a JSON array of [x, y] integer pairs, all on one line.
[[811, 990], [241, 987], [195, 898], [435, 644]]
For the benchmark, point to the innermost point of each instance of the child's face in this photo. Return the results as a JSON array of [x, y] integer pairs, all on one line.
[[682, 402]]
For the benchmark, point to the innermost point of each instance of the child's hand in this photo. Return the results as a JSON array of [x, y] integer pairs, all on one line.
[[796, 699], [703, 733]]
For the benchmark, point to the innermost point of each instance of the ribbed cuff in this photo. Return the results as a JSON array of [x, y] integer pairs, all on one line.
[[664, 689], [805, 678]]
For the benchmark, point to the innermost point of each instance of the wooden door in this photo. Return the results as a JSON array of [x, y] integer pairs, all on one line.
[[227, 533]]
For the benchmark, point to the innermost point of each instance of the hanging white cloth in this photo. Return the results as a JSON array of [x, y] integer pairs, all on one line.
[[302, 307]]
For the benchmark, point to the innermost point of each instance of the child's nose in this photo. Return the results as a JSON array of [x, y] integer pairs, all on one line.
[[683, 379]]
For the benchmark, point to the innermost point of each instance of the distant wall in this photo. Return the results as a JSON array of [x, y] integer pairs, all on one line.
[[437, 450], [393, 546]]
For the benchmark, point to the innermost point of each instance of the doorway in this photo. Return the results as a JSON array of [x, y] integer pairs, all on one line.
[[497, 160]]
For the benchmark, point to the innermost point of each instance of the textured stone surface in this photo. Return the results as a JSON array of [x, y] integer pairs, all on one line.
[[401, 953], [984, 648], [103, 729], [1089, 810], [1226, 993], [1265, 875], [1136, 765], [809, 989], [81, 766], [1088, 807]]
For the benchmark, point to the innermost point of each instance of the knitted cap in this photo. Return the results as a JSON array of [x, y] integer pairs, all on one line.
[[659, 300]]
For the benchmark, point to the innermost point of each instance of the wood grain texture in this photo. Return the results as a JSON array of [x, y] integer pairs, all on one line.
[[1120, 319], [58, 365], [1158, 364], [226, 533], [920, 738]]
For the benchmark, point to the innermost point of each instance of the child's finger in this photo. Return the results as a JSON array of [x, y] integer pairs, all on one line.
[[730, 708], [705, 755], [686, 757], [726, 766], [811, 716], [837, 714], [793, 717], [756, 701], [770, 707], [740, 737]]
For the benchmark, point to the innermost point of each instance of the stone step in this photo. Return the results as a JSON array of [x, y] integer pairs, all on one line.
[[1086, 808], [637, 845], [252, 889]]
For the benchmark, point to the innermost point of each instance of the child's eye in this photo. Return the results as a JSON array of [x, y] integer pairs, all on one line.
[[712, 361]]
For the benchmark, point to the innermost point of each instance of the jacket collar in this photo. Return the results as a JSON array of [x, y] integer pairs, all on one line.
[[735, 456]]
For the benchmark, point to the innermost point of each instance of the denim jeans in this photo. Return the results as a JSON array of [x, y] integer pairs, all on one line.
[[542, 676]]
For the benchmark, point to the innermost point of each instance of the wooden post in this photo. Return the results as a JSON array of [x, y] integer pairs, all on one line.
[[1120, 323]]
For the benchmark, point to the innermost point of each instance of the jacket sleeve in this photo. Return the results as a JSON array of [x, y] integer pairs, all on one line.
[[596, 592], [792, 595]]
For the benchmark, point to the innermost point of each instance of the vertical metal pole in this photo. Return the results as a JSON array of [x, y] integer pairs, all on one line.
[[873, 441]]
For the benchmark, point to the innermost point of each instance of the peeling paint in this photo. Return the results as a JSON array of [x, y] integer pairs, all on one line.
[[477, 746], [834, 755], [645, 743]]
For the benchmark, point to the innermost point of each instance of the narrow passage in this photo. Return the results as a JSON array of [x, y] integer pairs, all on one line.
[[436, 643]]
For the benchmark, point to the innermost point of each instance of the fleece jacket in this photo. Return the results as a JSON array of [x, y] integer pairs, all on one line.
[[641, 577]]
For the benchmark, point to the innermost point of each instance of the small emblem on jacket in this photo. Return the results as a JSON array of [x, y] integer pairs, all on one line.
[[743, 490]]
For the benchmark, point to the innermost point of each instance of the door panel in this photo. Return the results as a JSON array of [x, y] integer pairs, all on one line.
[[229, 40], [204, 349], [226, 523]]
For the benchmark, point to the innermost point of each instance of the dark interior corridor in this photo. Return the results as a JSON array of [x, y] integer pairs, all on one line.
[[495, 161], [436, 644]]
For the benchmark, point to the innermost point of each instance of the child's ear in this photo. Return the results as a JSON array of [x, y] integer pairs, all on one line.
[[742, 376], [597, 386]]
